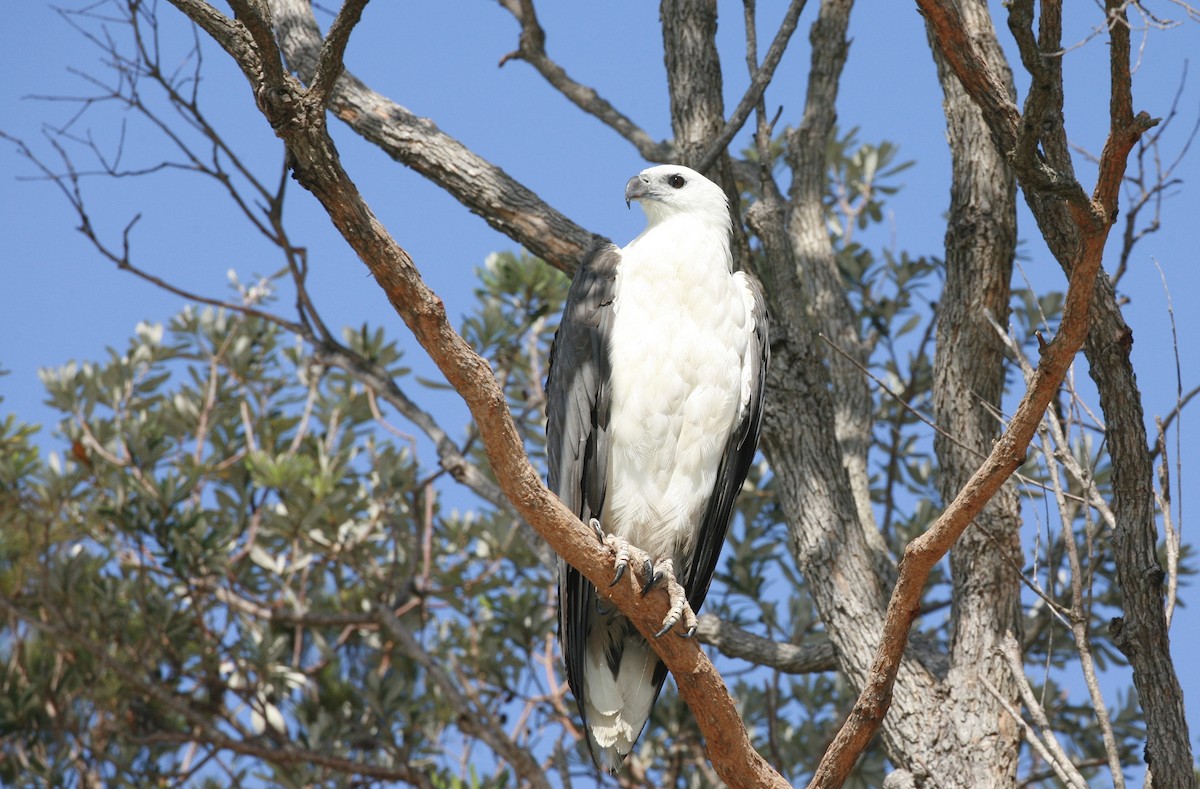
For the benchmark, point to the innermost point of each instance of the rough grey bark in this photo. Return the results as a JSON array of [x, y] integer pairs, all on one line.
[[834, 316], [841, 557], [693, 74], [837, 545], [968, 384]]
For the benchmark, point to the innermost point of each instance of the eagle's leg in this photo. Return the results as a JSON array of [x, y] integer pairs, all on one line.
[[680, 611]]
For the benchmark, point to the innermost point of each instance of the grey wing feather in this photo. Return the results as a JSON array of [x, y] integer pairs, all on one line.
[[577, 440], [739, 454]]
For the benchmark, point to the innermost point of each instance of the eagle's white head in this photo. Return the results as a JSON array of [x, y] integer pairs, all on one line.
[[670, 190]]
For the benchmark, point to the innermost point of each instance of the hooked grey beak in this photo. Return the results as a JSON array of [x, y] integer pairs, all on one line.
[[635, 189]]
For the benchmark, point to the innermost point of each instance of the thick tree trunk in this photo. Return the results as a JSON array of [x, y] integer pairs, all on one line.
[[968, 384], [695, 84], [935, 728], [693, 74]]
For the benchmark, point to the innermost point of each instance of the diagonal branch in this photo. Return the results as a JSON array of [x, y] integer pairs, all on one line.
[[926, 550], [1076, 232], [982, 84], [232, 37], [1091, 224], [758, 86], [531, 48], [255, 17]]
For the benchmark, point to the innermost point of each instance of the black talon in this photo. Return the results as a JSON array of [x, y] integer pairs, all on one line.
[[665, 628], [601, 610], [691, 632], [652, 577], [620, 574], [595, 524]]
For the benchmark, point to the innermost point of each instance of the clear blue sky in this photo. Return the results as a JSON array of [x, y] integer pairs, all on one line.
[[60, 302]]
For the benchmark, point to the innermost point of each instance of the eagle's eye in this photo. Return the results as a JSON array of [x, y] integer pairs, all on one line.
[[676, 181]]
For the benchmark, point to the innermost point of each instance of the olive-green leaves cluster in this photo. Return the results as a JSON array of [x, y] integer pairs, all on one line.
[[193, 566]]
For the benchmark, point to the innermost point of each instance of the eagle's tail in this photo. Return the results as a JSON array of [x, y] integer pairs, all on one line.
[[622, 679]]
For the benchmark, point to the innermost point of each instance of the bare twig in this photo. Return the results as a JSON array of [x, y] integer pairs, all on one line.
[[532, 49], [759, 81], [1031, 736], [1012, 655], [1079, 620], [329, 61]]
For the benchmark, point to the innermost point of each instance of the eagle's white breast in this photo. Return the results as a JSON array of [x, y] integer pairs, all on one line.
[[681, 337]]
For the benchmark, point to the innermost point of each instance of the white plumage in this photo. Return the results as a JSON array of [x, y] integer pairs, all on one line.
[[680, 347], [655, 402]]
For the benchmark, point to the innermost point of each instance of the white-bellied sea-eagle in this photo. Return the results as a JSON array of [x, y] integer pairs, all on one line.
[[654, 402]]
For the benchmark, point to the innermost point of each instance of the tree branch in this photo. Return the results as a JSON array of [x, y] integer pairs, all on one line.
[[330, 63], [734, 642], [759, 81], [1012, 656], [981, 83], [481, 186], [532, 49]]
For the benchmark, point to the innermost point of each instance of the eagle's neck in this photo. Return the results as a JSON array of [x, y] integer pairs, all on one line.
[[682, 237]]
